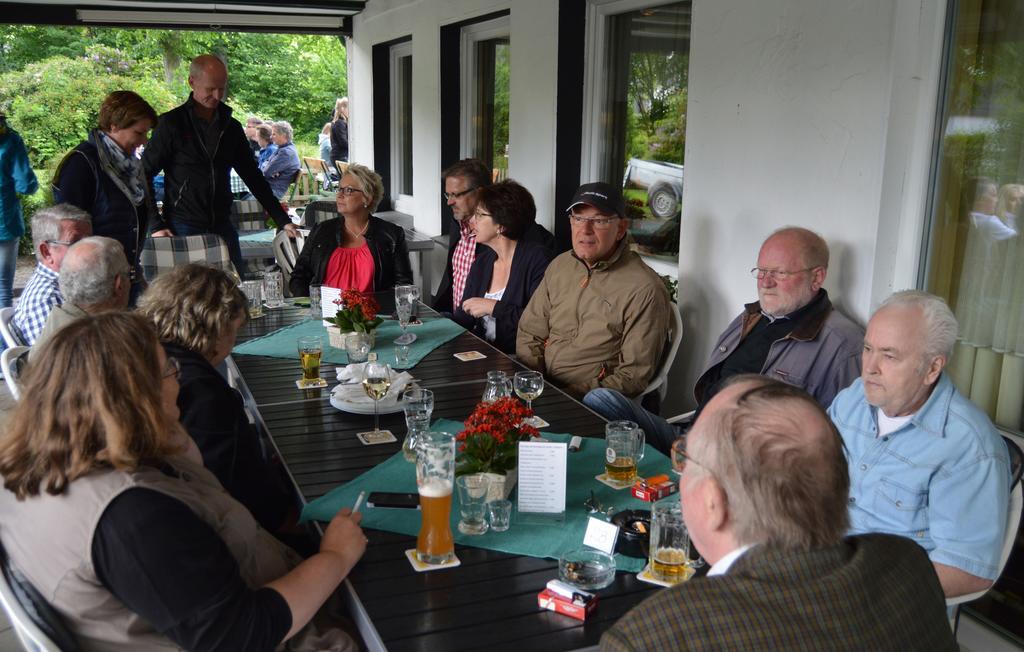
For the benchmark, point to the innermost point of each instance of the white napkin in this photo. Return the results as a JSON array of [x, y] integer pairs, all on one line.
[[352, 373], [353, 392]]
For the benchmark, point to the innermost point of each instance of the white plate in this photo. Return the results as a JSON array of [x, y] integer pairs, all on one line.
[[385, 406]]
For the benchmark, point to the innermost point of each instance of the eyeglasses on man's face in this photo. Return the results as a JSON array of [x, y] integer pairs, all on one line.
[[348, 190], [679, 455], [60, 242], [599, 223], [775, 274], [448, 196], [172, 369]]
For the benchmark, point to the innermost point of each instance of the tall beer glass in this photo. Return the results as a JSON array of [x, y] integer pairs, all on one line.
[[435, 478]]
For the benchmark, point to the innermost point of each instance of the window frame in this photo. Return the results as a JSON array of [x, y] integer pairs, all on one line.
[[469, 36], [402, 202]]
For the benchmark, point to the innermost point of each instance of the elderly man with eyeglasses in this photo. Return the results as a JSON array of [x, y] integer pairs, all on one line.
[[600, 316], [792, 333], [54, 230]]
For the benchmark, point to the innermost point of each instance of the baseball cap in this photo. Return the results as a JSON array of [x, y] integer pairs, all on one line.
[[602, 196]]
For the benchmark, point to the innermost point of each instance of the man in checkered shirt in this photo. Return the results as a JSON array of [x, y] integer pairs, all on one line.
[[54, 230]]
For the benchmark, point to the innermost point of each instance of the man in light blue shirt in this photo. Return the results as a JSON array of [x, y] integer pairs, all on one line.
[[925, 462]]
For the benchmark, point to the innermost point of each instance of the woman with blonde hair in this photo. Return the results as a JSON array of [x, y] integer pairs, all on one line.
[[197, 311], [339, 131], [357, 250], [109, 513]]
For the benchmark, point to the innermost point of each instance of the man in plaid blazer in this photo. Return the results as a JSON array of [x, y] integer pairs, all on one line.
[[764, 492]]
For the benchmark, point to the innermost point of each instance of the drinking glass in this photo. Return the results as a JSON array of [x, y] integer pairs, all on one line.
[[358, 346], [624, 448], [435, 475], [253, 291], [418, 404], [315, 311], [273, 289], [406, 297], [402, 352], [670, 543], [473, 503], [311, 347], [498, 386], [500, 514], [529, 385], [376, 382]]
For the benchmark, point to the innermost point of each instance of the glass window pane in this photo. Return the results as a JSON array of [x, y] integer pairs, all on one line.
[[489, 132], [976, 257], [644, 113], [401, 119]]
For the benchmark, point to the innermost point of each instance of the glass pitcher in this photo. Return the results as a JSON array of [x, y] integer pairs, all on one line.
[[498, 386]]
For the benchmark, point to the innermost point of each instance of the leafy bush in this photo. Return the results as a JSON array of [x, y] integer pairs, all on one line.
[[30, 204], [54, 103]]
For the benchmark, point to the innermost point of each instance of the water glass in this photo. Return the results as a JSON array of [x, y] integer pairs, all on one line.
[[500, 513], [315, 311], [253, 291], [273, 289], [358, 346], [406, 297], [473, 503], [670, 543], [418, 405], [402, 352]]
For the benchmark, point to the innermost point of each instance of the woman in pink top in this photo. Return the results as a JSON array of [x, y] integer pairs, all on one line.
[[356, 250]]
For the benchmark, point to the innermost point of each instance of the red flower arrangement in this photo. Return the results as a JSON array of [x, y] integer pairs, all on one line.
[[490, 441], [357, 313]]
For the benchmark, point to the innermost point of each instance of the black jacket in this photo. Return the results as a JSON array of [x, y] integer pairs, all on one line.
[[528, 264], [386, 241], [214, 415], [339, 141], [197, 187], [443, 298], [82, 180]]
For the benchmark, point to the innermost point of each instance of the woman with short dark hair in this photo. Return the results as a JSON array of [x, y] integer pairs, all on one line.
[[104, 177], [507, 270]]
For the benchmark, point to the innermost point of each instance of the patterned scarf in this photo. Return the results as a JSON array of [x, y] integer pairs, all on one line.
[[126, 167]]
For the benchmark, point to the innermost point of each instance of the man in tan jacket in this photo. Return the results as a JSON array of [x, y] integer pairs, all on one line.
[[600, 317]]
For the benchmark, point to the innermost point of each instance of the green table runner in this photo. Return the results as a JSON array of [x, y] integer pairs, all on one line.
[[533, 540], [431, 334], [265, 237]]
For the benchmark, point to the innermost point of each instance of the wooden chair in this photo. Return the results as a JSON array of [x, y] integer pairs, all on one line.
[[342, 168], [302, 189], [317, 169]]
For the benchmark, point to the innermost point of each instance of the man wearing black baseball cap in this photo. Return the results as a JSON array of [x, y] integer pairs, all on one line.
[[600, 316]]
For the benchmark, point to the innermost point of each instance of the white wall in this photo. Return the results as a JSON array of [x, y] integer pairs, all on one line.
[[809, 113], [534, 53]]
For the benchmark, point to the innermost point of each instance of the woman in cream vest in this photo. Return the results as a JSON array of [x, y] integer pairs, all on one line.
[[110, 514]]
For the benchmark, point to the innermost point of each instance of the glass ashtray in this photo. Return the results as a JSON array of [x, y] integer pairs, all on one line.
[[587, 569]]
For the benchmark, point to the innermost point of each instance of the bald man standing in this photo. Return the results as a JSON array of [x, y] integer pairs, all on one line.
[[196, 145]]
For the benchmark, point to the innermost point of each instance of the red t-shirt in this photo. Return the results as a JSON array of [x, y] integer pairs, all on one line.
[[350, 269]]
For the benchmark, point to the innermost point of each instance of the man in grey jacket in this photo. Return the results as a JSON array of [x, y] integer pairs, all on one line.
[[792, 333]]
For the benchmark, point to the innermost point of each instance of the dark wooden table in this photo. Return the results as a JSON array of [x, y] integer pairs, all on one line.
[[491, 599]]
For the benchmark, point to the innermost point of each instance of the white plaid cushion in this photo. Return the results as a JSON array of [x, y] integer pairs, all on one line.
[[248, 215], [163, 254]]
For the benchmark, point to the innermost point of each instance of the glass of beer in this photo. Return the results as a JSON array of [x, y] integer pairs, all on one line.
[[253, 291], [311, 348], [435, 479], [670, 543], [624, 448]]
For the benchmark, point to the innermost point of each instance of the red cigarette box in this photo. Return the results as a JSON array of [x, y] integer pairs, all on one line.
[[645, 490], [548, 599]]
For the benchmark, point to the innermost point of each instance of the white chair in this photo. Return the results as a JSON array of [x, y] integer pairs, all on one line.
[[37, 625], [11, 336], [11, 361], [1012, 524], [658, 380], [286, 252]]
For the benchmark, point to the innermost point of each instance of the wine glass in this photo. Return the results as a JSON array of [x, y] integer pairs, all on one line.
[[406, 297], [376, 383], [528, 385]]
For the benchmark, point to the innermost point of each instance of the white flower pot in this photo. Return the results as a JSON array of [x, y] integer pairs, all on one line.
[[501, 485]]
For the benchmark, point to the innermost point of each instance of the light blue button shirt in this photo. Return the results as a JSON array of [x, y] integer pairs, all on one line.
[[942, 479]]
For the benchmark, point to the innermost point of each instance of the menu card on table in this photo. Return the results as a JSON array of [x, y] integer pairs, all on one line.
[[542, 472], [328, 296]]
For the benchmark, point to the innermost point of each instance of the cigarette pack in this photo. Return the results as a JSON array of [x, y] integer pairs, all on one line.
[[654, 488], [548, 599]]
